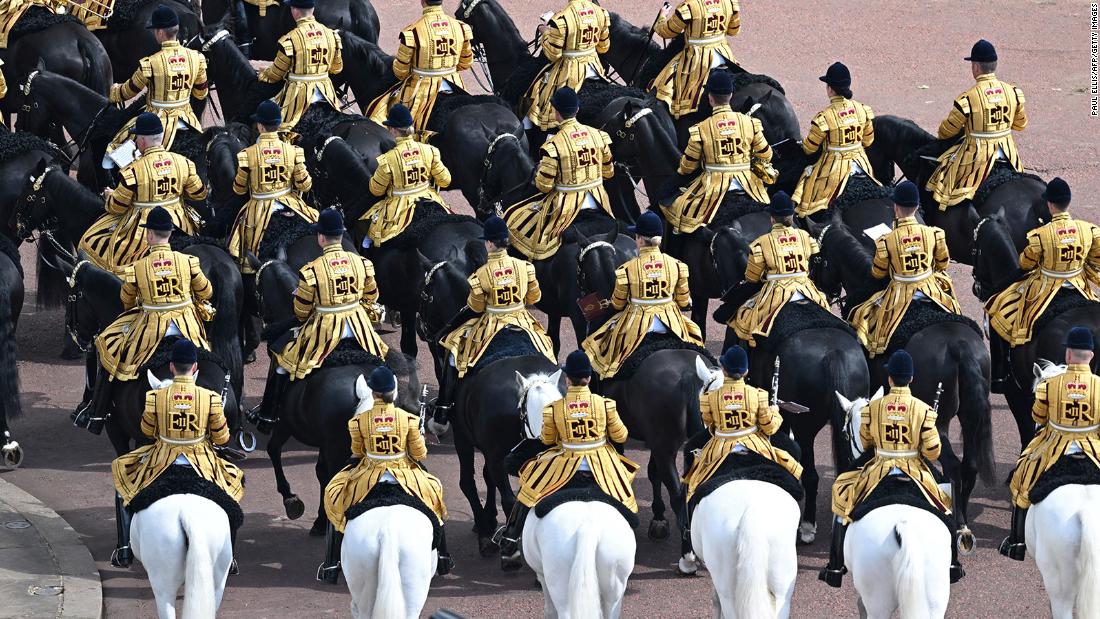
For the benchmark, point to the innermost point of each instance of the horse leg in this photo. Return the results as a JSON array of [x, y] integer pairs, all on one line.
[[658, 527], [1020, 403], [495, 463], [553, 327], [291, 503], [408, 332], [320, 525], [963, 475], [483, 526], [700, 303], [807, 529], [118, 437]]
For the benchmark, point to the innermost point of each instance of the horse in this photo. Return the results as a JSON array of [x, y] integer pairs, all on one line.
[[127, 38], [952, 365], [497, 42], [266, 26], [228, 70], [11, 304], [898, 554], [995, 269]]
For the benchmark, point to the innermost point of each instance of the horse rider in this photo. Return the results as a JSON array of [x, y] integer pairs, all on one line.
[[902, 431], [185, 422], [386, 448], [986, 115], [704, 25], [579, 429], [500, 291], [272, 173], [915, 258], [732, 150], [163, 294], [170, 78], [407, 174], [575, 161], [306, 56], [737, 419], [572, 41], [839, 133], [780, 259], [334, 301], [650, 290], [157, 178], [1065, 411], [1064, 254]]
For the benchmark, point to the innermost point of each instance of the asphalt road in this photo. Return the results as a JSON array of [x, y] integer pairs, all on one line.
[[906, 59]]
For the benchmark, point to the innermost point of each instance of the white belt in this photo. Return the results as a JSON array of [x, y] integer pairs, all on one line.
[[433, 72], [774, 276], [273, 194], [172, 202], [579, 53], [887, 453], [179, 441], [637, 301], [1062, 428], [165, 308], [844, 149], [1061, 274], [169, 105], [581, 187], [707, 41], [307, 78], [726, 167], [581, 446], [397, 456], [909, 279], [738, 434], [337, 308], [504, 310], [982, 135], [411, 190]]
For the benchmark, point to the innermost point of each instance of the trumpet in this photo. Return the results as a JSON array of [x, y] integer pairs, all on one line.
[[100, 8]]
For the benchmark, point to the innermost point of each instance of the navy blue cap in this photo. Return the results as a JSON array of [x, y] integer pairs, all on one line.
[[1057, 191], [648, 225], [147, 123], [382, 380], [720, 83], [268, 113], [495, 230], [163, 17], [577, 365], [983, 51], [735, 360], [159, 219], [837, 75], [907, 194], [566, 101], [399, 117], [900, 366], [781, 205], [329, 223], [1079, 338], [184, 352], [301, 4]]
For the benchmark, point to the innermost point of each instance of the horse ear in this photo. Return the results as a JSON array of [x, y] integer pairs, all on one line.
[[879, 393], [521, 381], [155, 382], [845, 403], [361, 389], [555, 378], [424, 261], [702, 370]]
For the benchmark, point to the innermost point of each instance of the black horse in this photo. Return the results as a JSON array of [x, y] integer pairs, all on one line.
[[355, 16], [496, 39], [127, 38], [11, 304], [227, 69]]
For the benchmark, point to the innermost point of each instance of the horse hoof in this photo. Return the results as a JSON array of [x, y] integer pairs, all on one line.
[[234, 570], [250, 358], [294, 507], [807, 533], [966, 541], [486, 548], [658, 529], [687, 565], [319, 529], [122, 557], [13, 455]]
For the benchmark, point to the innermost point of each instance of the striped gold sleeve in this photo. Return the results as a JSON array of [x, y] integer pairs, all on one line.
[[865, 433], [149, 415], [303, 182], [815, 136], [549, 434], [706, 412], [768, 419], [1040, 409], [278, 69], [128, 295], [402, 61], [616, 429], [1033, 253], [868, 127], [675, 24], [138, 82], [476, 299], [216, 425], [466, 56], [356, 437], [414, 441], [880, 265], [553, 40], [604, 44], [200, 285], [534, 293], [3, 86], [193, 188], [754, 271], [734, 25], [441, 176], [693, 152], [118, 203], [201, 86], [607, 165], [760, 147], [548, 169], [1019, 121], [929, 436], [240, 181], [382, 178], [370, 285], [682, 294], [621, 293], [955, 121], [336, 65], [942, 256], [305, 294]]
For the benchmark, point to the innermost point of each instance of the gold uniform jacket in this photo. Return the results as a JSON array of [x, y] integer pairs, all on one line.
[[652, 286], [726, 145], [574, 163], [157, 291], [573, 41], [781, 259], [915, 258], [184, 420], [386, 439], [156, 178], [272, 173], [307, 55], [432, 49], [704, 24], [578, 427], [408, 173], [333, 293], [500, 292], [170, 78], [12, 10], [986, 115], [737, 414], [1067, 407], [843, 129], [1063, 253], [901, 429]]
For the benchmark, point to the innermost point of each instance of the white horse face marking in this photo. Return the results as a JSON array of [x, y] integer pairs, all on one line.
[[536, 393], [1045, 370]]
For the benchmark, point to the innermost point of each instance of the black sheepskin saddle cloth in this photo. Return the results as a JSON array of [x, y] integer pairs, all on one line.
[[184, 480], [858, 189], [1064, 300], [900, 490], [180, 241], [37, 19], [1074, 469], [735, 204], [655, 342], [282, 231], [920, 316], [164, 352], [583, 487], [126, 11], [748, 466], [590, 223], [17, 143], [388, 495], [999, 175], [447, 105], [796, 317], [427, 217], [508, 343]]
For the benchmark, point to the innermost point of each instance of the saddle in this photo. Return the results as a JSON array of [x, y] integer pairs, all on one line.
[[1064, 300], [388, 495], [184, 480], [282, 232], [901, 490], [655, 342], [999, 175], [583, 487], [36, 19], [735, 204], [590, 223], [163, 354], [426, 218], [447, 105], [919, 316], [506, 344], [748, 466], [796, 317], [1069, 469], [858, 189]]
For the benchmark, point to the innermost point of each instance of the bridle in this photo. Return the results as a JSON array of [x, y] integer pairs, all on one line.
[[822, 262], [218, 36], [582, 282], [322, 174], [626, 132], [80, 140], [522, 405], [487, 167], [23, 226], [73, 301], [426, 297], [976, 254]]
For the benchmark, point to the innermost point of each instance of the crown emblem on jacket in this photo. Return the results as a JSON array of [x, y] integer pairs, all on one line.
[[182, 401], [912, 238], [896, 407], [577, 408], [1077, 391], [786, 239], [503, 273]]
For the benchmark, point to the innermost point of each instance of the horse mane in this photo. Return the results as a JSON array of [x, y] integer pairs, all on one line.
[[999, 175], [232, 60], [658, 60], [367, 57], [37, 19], [181, 241], [257, 93], [993, 231], [902, 131], [595, 96], [521, 78], [67, 191], [445, 107], [281, 233], [163, 353], [320, 119], [859, 189], [190, 144], [742, 79], [91, 277], [735, 204]]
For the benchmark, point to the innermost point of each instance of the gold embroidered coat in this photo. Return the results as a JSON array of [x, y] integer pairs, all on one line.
[[306, 56], [844, 130], [408, 173], [704, 24]]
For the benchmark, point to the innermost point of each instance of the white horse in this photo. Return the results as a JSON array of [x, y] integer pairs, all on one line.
[[387, 555], [899, 556], [582, 552]]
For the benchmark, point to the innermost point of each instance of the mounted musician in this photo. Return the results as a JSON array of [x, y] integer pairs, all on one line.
[[169, 78], [93, 13], [272, 173], [704, 25], [407, 174], [915, 258], [780, 259], [431, 54], [157, 178], [580, 429], [306, 57], [575, 161], [650, 292], [386, 448], [839, 134], [1064, 254], [1065, 411], [901, 430], [12, 10], [985, 116]]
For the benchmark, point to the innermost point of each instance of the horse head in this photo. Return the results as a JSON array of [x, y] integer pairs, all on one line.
[[710, 377], [32, 208], [442, 295], [994, 256], [852, 419], [729, 251], [642, 134], [1045, 370], [597, 260], [507, 175], [536, 392], [222, 146]]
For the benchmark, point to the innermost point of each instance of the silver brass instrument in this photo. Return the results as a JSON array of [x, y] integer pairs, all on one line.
[[100, 8]]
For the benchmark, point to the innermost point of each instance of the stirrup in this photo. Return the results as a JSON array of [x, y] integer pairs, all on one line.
[[1016, 551], [329, 574], [122, 556], [444, 565]]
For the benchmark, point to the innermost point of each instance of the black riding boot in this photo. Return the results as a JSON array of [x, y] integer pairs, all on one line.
[[674, 244], [91, 377], [122, 556], [94, 416], [241, 30], [1014, 546], [510, 536], [233, 568], [446, 563], [446, 400], [834, 572], [329, 571], [957, 571], [999, 365], [267, 413]]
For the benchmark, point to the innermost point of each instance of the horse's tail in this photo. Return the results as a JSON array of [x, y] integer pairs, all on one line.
[[52, 286], [750, 586], [974, 415], [1088, 574], [910, 583], [198, 588], [690, 384], [389, 599], [584, 603], [9, 369], [98, 74], [835, 371]]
